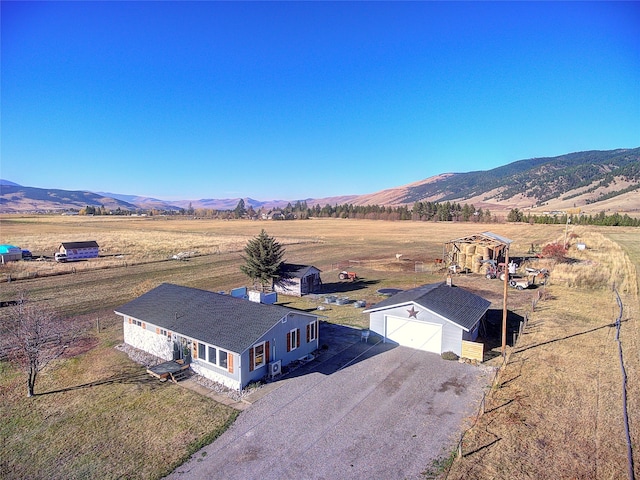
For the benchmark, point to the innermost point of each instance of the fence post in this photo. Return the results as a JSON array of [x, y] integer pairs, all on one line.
[[460, 448]]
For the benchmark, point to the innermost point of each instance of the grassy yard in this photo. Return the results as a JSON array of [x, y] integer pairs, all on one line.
[[557, 409], [98, 415]]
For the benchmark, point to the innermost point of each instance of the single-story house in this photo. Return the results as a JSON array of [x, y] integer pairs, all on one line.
[[79, 250], [230, 340], [298, 280], [435, 317], [10, 253]]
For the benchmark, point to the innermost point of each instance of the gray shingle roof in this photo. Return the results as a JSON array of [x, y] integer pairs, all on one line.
[[453, 303], [88, 244], [233, 324], [293, 270]]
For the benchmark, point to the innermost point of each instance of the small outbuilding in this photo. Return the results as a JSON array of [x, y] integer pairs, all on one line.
[[473, 252], [298, 280], [79, 250], [10, 253], [437, 318]]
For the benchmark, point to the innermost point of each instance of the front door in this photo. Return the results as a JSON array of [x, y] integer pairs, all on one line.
[[182, 348]]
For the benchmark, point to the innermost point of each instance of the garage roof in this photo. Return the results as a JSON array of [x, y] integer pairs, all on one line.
[[453, 303]]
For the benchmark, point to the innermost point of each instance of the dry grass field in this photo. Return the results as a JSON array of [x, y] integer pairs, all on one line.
[[556, 407]]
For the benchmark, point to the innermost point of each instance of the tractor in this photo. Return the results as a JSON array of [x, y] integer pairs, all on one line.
[[494, 269], [344, 275]]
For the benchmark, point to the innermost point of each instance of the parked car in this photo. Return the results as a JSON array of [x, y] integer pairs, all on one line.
[[26, 254], [60, 257]]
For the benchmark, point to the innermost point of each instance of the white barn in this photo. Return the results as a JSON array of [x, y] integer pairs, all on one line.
[[79, 250]]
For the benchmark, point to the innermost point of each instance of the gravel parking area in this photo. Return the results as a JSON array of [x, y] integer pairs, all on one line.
[[360, 410]]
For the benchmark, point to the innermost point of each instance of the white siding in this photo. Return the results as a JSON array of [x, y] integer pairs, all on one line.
[[451, 338], [415, 334], [217, 377], [148, 340], [451, 333]]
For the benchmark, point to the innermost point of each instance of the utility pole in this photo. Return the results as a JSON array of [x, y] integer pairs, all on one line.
[[504, 302], [566, 227]]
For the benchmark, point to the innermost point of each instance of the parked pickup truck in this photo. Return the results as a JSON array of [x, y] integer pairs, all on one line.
[[60, 257]]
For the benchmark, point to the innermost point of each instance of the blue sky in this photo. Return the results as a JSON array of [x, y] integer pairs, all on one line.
[[270, 100]]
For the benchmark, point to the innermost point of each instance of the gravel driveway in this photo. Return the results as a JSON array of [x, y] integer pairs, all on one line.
[[360, 410]]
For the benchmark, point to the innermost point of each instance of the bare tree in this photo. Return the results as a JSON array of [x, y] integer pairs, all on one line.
[[35, 336]]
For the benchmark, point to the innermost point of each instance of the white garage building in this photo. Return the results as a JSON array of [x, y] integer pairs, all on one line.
[[435, 318]]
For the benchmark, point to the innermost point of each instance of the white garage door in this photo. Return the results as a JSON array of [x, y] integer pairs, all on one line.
[[418, 335]]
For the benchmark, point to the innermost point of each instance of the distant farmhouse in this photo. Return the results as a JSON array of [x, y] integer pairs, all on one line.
[[79, 250], [230, 340]]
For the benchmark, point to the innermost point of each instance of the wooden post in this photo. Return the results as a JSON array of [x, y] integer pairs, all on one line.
[[504, 301]]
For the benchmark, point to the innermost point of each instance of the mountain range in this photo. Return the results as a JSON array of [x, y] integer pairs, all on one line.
[[592, 180]]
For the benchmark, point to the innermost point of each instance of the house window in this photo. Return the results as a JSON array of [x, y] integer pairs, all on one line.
[[223, 359], [202, 351], [312, 331], [293, 338], [213, 355], [258, 355]]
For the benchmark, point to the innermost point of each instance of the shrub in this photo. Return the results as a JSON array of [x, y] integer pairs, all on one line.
[[555, 251], [449, 356]]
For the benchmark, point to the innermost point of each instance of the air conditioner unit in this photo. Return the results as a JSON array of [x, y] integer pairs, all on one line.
[[275, 368]]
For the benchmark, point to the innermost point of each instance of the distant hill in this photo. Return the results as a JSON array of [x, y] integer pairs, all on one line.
[[8, 183], [15, 198], [593, 181]]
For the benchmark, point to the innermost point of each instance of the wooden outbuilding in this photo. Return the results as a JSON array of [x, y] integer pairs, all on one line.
[[473, 252], [298, 280]]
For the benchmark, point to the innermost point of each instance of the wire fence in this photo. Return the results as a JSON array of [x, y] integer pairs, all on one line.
[[625, 413]]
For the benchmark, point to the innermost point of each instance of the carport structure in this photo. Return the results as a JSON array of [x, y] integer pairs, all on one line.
[[472, 252]]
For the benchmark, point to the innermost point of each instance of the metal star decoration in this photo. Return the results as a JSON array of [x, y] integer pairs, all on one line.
[[413, 313]]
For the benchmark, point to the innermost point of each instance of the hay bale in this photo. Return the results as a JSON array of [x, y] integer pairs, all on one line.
[[470, 249], [486, 253], [462, 258], [476, 263]]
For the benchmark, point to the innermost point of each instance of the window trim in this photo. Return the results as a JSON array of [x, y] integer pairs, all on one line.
[[294, 339], [313, 331], [263, 355], [226, 361], [215, 355]]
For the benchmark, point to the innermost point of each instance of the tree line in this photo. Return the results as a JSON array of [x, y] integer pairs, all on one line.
[[602, 219], [421, 211]]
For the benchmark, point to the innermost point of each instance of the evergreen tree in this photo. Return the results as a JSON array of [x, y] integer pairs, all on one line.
[[240, 210], [263, 260]]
